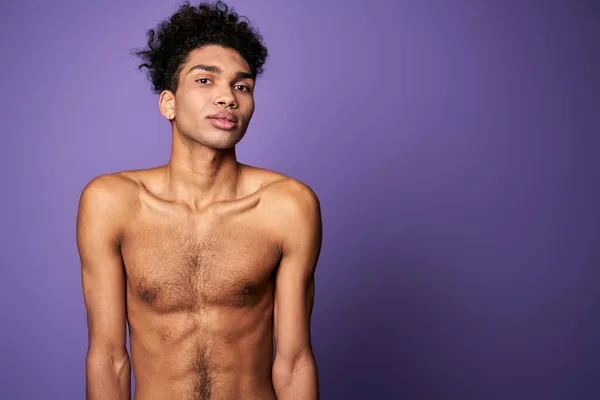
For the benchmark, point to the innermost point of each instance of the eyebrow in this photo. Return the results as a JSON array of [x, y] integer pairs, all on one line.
[[216, 70]]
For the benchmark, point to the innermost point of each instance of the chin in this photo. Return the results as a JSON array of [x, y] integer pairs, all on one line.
[[222, 143], [224, 139]]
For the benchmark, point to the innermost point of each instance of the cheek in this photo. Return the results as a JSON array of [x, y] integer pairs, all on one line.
[[190, 115], [249, 109], [192, 96], [191, 106]]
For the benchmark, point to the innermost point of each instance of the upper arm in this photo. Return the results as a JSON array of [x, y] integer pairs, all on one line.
[[294, 291], [102, 273]]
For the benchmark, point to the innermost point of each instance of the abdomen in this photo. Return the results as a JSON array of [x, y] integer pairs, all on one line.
[[218, 353]]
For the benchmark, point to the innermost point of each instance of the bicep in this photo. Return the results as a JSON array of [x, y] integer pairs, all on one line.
[[295, 284], [102, 274]]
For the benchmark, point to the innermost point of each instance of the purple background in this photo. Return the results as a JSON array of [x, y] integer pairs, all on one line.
[[455, 149]]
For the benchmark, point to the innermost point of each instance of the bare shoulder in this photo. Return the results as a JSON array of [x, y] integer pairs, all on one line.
[[282, 192], [291, 192], [115, 189], [110, 196], [294, 215], [291, 201]]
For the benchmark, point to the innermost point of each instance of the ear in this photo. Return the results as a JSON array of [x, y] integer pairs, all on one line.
[[166, 104]]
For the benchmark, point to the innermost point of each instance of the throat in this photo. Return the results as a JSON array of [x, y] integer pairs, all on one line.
[[198, 175]]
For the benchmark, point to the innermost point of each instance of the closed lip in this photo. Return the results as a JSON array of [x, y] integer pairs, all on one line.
[[224, 115]]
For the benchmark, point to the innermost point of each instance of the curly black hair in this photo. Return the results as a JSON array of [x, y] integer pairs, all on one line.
[[170, 44]]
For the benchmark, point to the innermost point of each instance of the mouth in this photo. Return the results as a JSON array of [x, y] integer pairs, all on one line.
[[225, 117], [224, 120]]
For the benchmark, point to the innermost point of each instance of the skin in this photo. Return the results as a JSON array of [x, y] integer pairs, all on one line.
[[206, 258]]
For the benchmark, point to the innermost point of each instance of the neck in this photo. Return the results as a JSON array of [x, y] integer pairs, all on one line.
[[198, 175]]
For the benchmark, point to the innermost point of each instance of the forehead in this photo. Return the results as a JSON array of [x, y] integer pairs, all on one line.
[[228, 59]]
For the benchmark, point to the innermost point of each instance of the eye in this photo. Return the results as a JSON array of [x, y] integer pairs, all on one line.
[[203, 80], [244, 88]]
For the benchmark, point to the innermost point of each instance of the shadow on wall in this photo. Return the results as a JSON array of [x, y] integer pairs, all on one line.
[[373, 308], [368, 342]]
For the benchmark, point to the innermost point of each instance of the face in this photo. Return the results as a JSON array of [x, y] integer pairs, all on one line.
[[214, 101]]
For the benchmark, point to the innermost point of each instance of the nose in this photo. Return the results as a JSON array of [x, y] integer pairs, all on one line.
[[226, 98]]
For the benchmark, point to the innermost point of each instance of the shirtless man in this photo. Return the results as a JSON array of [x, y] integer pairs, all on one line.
[[207, 259]]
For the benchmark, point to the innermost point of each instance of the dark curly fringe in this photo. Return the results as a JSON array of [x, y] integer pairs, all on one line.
[[190, 28]]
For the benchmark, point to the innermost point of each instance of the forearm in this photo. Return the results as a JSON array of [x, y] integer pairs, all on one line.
[[108, 378], [296, 380]]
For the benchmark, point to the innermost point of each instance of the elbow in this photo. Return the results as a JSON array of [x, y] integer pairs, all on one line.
[[108, 374], [285, 368], [103, 358]]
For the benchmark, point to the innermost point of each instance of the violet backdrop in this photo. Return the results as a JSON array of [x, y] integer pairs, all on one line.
[[454, 147]]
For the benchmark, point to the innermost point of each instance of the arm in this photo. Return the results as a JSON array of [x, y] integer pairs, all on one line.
[[103, 284], [294, 370]]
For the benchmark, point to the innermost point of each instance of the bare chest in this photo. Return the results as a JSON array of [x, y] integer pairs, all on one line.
[[183, 265]]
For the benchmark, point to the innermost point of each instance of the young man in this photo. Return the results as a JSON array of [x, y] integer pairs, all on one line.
[[206, 258]]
